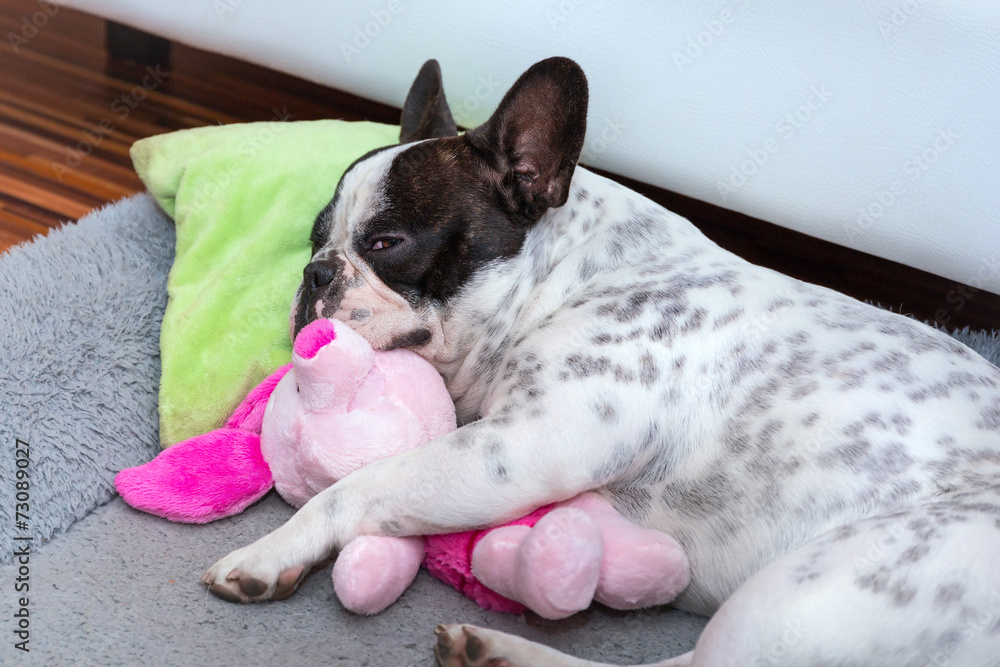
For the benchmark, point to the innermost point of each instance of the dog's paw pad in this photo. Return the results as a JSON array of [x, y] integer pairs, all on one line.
[[288, 581], [459, 646], [222, 592], [249, 586]]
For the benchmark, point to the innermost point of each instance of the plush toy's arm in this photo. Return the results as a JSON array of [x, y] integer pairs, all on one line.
[[210, 476]]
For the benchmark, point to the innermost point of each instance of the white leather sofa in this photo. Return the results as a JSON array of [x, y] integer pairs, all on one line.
[[874, 124]]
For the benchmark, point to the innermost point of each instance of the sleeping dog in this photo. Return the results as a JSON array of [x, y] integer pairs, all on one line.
[[825, 464]]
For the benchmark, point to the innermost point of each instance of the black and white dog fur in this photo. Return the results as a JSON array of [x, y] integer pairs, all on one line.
[[832, 470]]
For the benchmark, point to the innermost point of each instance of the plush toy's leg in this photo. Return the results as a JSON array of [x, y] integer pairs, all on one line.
[[552, 568], [373, 571], [494, 559], [641, 567]]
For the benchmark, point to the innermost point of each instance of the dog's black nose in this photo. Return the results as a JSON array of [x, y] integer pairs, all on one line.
[[316, 277], [320, 273]]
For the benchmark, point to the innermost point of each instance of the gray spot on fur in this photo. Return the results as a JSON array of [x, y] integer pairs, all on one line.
[[727, 319], [990, 417], [948, 595], [897, 365], [584, 366], [390, 528], [902, 593], [703, 497], [649, 372], [606, 412], [632, 501], [496, 461], [914, 554]]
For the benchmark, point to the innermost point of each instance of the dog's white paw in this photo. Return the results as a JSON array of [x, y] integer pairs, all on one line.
[[253, 574], [469, 646], [461, 646]]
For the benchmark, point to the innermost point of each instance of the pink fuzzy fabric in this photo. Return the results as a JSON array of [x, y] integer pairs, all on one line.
[[249, 415], [200, 479], [210, 476], [314, 337], [449, 558]]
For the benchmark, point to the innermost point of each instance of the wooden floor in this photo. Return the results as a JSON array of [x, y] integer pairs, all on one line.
[[68, 114], [67, 118]]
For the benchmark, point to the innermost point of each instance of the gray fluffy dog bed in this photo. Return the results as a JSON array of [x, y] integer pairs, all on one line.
[[80, 312]]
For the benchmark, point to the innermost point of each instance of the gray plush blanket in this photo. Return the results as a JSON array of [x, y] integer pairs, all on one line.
[[80, 315], [88, 580]]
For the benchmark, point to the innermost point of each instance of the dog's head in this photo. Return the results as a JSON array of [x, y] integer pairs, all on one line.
[[409, 225]]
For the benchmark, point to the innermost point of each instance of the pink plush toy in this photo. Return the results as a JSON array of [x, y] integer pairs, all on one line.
[[340, 405]]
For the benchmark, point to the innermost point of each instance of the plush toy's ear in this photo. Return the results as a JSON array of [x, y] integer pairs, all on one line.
[[202, 479]]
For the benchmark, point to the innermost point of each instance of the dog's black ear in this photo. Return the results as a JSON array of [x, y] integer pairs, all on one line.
[[535, 136], [425, 113]]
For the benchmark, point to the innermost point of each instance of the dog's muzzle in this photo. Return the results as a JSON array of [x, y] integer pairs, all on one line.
[[322, 281]]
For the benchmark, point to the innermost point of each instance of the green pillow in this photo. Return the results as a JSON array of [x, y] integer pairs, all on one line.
[[244, 198]]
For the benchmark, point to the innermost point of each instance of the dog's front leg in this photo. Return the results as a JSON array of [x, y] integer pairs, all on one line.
[[482, 474]]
